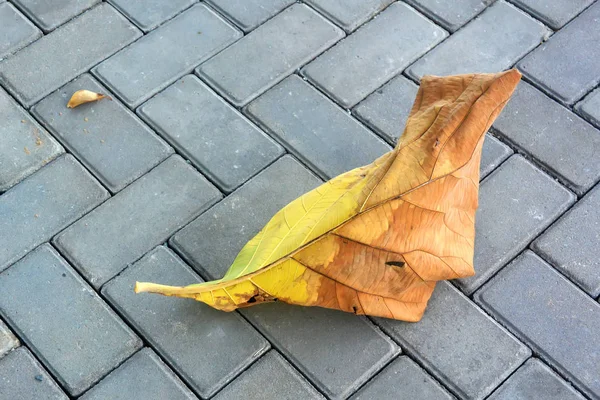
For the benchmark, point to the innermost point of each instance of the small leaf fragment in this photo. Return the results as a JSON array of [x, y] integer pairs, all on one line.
[[84, 96]]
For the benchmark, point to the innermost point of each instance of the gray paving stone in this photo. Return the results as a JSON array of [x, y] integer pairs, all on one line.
[[269, 54], [211, 242], [135, 220], [23, 378], [349, 14], [107, 138], [16, 31], [8, 341], [44, 204], [450, 14], [459, 344], [337, 357], [314, 129], [141, 70], [386, 110], [25, 146], [555, 13], [374, 54], [589, 107], [66, 53], [551, 315], [511, 214], [404, 378], [271, 377], [219, 141], [564, 143], [50, 14], [248, 14], [493, 154], [207, 347], [492, 42], [571, 244], [143, 376], [566, 66], [534, 380], [65, 323], [147, 15]]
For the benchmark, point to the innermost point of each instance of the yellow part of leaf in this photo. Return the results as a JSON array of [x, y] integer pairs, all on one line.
[[83, 96]]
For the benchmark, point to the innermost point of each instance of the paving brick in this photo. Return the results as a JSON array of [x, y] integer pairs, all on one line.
[[8, 341], [493, 154], [450, 15], [459, 344], [135, 220], [566, 66], [534, 380], [166, 54], [271, 377], [402, 377], [207, 347], [511, 214], [65, 323], [589, 107], [269, 54], [16, 30], [349, 14], [549, 313], [248, 14], [571, 244], [143, 376], [314, 129], [50, 14], [66, 53], [211, 242], [555, 13], [338, 357], [23, 378], [564, 143], [494, 41], [375, 53], [147, 15], [44, 204], [218, 140], [106, 137], [25, 146]]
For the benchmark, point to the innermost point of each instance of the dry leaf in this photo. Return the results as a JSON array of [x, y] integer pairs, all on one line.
[[376, 239], [83, 96]]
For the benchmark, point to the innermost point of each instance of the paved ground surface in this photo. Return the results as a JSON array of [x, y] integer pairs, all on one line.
[[222, 112]]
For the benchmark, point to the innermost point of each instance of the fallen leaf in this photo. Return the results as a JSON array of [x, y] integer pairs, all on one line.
[[83, 96], [375, 240]]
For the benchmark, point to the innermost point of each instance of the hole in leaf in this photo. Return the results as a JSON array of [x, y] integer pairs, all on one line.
[[395, 263], [252, 299]]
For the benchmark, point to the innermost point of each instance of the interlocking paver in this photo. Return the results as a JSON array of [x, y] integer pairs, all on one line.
[[44, 204], [589, 107], [8, 341], [218, 140], [269, 53], [107, 138], [136, 219], [459, 344], [404, 378], [571, 244], [563, 142], [211, 242], [65, 53], [50, 14], [64, 322], [555, 13], [375, 53], [566, 66], [248, 14], [25, 146], [349, 14], [315, 129], [166, 54], [16, 30], [143, 376], [493, 41], [534, 380], [550, 314], [511, 214], [206, 347], [450, 14], [148, 14], [271, 377], [493, 154], [23, 378]]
